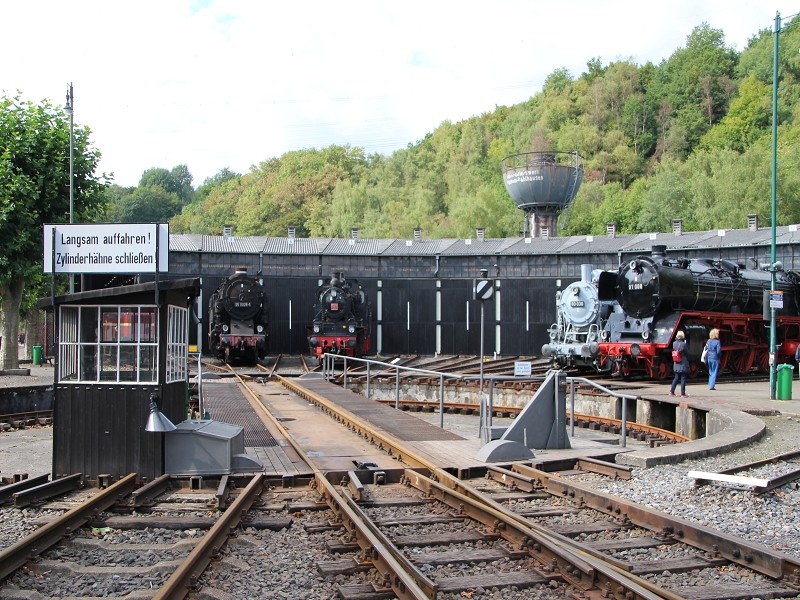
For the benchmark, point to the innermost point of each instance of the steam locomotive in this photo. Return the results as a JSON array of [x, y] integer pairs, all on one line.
[[238, 319], [660, 295], [580, 317], [342, 319]]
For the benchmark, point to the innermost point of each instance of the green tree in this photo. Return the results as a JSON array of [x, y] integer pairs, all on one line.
[[34, 189]]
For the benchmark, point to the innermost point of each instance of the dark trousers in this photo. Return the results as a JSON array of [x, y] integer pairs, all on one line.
[[679, 377]]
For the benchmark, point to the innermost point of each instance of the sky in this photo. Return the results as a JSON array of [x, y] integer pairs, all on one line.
[[216, 84]]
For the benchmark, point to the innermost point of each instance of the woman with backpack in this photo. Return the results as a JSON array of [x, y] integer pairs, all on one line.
[[680, 363]]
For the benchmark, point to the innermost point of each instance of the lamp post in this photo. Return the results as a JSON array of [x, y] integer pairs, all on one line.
[[69, 109], [774, 265]]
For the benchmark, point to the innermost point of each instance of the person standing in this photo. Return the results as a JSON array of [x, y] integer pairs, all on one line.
[[713, 353], [680, 363]]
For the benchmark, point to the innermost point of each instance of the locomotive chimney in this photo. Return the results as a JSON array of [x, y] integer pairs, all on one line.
[[677, 226], [659, 251], [752, 222], [240, 270], [336, 277]]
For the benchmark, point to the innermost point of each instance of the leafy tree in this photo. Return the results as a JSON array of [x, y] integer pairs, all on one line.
[[34, 189], [178, 181], [748, 119]]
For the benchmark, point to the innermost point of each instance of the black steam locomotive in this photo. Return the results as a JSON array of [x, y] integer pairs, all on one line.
[[238, 319], [660, 295], [342, 319]]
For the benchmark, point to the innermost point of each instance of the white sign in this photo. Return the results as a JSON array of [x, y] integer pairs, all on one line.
[[522, 369], [484, 289], [106, 248], [776, 299]]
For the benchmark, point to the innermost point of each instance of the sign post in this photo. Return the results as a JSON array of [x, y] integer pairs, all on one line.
[[483, 291]]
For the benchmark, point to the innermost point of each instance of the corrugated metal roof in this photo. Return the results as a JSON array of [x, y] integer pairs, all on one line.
[[295, 245], [345, 247], [638, 243], [232, 244], [418, 247], [473, 247], [186, 243]]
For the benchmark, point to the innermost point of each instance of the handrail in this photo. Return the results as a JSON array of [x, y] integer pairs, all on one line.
[[624, 397], [328, 362]]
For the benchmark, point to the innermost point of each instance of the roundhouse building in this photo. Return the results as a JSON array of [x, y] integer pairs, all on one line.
[[421, 290]]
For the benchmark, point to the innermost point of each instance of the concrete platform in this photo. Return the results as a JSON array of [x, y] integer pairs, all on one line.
[[733, 407]]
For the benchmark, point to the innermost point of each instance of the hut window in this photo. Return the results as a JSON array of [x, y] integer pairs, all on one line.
[[108, 344], [177, 349]]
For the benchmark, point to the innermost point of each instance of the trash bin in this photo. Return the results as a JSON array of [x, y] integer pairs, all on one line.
[[37, 355], [785, 382]]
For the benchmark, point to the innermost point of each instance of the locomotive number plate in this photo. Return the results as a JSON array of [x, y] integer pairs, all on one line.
[[636, 286], [576, 303], [334, 306]]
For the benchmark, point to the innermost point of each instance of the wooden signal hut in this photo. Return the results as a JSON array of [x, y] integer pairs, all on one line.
[[116, 350]]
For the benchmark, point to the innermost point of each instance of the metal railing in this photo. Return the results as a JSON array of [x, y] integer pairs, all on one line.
[[623, 434], [487, 407], [328, 373]]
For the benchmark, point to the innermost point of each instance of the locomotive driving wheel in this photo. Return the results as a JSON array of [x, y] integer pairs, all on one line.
[[742, 361], [762, 361], [661, 369]]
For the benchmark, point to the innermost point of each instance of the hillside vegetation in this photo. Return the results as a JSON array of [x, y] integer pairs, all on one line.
[[689, 138]]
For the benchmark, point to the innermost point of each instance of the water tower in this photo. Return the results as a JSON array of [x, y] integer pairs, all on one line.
[[542, 184]]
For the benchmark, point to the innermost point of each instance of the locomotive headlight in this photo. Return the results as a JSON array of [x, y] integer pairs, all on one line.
[[225, 328], [352, 329], [260, 329], [316, 328]]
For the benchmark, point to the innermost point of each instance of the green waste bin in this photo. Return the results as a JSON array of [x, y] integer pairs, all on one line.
[[785, 382], [37, 355]]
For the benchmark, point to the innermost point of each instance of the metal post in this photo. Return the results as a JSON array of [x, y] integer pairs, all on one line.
[[70, 108], [369, 391], [441, 401], [571, 408], [773, 253], [397, 388], [624, 429], [480, 394]]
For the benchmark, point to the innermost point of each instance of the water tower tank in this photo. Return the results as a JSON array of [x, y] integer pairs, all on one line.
[[542, 184]]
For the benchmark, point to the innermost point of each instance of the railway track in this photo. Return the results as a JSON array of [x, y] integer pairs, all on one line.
[[420, 532]]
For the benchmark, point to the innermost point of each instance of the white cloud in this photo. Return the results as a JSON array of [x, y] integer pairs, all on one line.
[[231, 83]]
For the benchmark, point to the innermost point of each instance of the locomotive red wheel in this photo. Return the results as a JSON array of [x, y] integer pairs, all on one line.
[[742, 362], [662, 369], [762, 361]]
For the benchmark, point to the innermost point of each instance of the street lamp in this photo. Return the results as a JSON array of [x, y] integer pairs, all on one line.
[[69, 109]]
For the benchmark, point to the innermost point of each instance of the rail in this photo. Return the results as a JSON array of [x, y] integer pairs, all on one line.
[[623, 434]]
